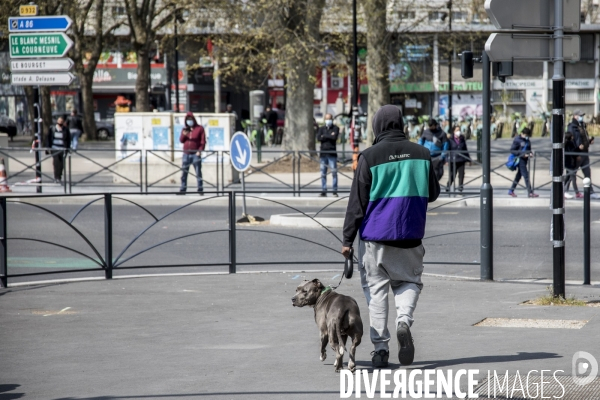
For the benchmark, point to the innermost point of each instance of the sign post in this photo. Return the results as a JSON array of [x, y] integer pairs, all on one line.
[[37, 46], [241, 156], [553, 18]]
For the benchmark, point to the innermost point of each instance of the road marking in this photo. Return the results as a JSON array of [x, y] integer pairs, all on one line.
[[335, 276]]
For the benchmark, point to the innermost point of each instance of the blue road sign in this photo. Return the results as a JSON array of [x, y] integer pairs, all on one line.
[[241, 151], [51, 23]]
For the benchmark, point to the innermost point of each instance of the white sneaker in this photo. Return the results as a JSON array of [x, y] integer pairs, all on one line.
[[595, 196], [568, 196]]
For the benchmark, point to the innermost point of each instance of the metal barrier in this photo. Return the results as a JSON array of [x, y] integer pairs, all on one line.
[[104, 174], [279, 157], [82, 169], [314, 157], [100, 248], [28, 171], [168, 159]]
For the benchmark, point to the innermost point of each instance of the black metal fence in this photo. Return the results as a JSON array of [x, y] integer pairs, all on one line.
[[286, 171], [133, 243]]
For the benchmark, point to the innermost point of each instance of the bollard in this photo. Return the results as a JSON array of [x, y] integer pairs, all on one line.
[[108, 245], [3, 243], [232, 239], [587, 183]]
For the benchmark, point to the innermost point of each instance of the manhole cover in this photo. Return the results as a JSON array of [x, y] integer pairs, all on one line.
[[521, 387], [532, 323]]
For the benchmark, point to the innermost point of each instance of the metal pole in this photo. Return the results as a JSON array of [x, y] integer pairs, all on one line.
[[108, 250], [354, 55], [3, 243], [487, 192], [558, 115], [354, 138], [232, 240], [176, 68], [587, 183], [450, 67], [70, 176], [66, 155], [244, 195], [39, 137]]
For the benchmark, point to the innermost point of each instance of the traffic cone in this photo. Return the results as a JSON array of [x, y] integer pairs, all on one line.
[[3, 183]]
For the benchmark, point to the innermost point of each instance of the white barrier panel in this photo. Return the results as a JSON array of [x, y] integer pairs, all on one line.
[[142, 131], [218, 129]]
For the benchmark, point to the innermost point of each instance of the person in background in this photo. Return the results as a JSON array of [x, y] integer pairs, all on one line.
[[582, 142], [75, 128], [459, 156], [194, 140], [328, 136], [571, 166], [435, 140], [521, 147], [59, 141]]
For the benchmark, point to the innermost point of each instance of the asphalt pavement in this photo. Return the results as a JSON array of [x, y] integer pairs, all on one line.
[[238, 337]]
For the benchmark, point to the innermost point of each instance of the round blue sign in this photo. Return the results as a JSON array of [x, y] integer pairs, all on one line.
[[240, 151]]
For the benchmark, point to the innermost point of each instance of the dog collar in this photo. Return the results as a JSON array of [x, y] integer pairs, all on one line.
[[327, 289]]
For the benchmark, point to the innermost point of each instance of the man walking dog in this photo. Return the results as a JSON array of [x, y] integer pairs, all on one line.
[[394, 182]]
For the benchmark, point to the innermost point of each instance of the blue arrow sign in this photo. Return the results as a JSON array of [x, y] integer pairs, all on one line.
[[52, 23], [241, 151]]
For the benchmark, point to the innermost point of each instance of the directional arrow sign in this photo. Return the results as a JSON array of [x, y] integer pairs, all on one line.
[[43, 45], [529, 47], [58, 64], [58, 79], [531, 14], [55, 23], [241, 151]]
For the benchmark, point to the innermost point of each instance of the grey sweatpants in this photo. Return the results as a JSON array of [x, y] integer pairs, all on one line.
[[382, 267]]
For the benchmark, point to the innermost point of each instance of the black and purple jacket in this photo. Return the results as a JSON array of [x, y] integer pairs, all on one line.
[[394, 182]]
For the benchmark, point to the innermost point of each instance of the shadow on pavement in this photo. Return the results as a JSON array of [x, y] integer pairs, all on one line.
[[9, 388], [487, 359], [206, 394]]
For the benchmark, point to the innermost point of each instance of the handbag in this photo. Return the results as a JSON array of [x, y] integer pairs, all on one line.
[[513, 162]]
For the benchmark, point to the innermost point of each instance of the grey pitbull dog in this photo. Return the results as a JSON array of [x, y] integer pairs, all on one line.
[[337, 317]]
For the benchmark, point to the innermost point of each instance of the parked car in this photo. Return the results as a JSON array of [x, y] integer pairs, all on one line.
[[105, 130], [8, 126]]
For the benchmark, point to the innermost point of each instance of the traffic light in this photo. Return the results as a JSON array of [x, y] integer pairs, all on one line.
[[502, 69], [466, 64]]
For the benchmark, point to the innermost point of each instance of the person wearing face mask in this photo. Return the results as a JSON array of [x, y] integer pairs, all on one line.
[[458, 157], [59, 140], [582, 143], [194, 140], [521, 147], [328, 136]]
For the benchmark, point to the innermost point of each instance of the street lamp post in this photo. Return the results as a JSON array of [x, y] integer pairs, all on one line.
[[176, 58], [450, 53]]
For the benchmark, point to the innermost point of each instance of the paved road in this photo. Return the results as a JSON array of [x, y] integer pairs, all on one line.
[[521, 237], [238, 337]]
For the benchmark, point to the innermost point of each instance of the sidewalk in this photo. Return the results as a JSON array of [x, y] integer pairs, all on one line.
[[238, 336]]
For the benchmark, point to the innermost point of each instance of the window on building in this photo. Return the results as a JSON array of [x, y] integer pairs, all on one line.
[[406, 14], [508, 96], [118, 11], [587, 46], [437, 16], [459, 16], [579, 95]]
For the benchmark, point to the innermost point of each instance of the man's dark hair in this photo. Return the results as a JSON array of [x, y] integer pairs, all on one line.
[[526, 131], [432, 122]]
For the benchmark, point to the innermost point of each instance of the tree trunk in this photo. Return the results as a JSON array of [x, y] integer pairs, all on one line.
[[89, 123], [377, 60], [299, 131], [46, 111], [30, 109], [142, 97]]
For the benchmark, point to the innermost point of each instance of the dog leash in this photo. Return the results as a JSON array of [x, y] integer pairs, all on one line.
[[348, 268]]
